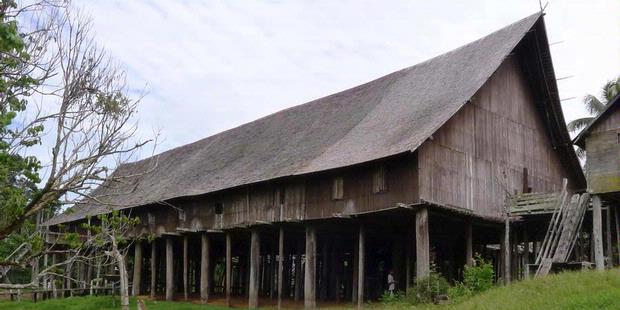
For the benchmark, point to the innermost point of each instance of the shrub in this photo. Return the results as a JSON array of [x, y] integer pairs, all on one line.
[[477, 278], [431, 288]]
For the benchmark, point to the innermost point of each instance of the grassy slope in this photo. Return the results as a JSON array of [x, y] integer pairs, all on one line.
[[574, 290], [571, 290]]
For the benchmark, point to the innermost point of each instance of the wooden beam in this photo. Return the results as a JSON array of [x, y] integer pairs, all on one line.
[[137, 268], [185, 267], [360, 266], [228, 282], [280, 266], [469, 251], [169, 269], [597, 233], [153, 268], [254, 269], [422, 243], [298, 274], [205, 277], [310, 269]]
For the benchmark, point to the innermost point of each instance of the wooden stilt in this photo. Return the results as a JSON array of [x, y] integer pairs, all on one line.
[[298, 272], [597, 232], [153, 268], [355, 269], [506, 252], [310, 269], [137, 269], [280, 266], [228, 281], [185, 267], [526, 252], [205, 270], [616, 210], [360, 266], [408, 264], [609, 253], [324, 274], [422, 243], [469, 252], [254, 269], [169, 269]]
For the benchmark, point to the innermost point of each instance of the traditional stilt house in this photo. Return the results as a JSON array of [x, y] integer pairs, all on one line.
[[601, 141], [318, 202]]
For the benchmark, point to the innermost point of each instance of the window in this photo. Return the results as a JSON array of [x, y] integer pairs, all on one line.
[[219, 208], [378, 180], [279, 196], [337, 188], [150, 218]]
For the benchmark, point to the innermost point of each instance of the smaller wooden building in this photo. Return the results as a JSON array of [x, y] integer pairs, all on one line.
[[601, 140]]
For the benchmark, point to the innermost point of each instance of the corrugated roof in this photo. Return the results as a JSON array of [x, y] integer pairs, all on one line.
[[388, 116]]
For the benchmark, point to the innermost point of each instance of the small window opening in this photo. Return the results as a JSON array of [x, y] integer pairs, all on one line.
[[337, 188], [219, 208], [378, 180]]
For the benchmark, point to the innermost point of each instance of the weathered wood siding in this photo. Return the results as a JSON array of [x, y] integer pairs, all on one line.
[[481, 152], [308, 197], [603, 154]]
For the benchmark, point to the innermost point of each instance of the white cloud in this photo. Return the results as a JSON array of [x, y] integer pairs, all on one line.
[[213, 65]]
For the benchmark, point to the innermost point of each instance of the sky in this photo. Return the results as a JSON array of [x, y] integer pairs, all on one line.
[[208, 66]]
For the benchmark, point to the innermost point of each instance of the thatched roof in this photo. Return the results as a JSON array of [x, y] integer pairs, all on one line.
[[390, 115], [580, 139]]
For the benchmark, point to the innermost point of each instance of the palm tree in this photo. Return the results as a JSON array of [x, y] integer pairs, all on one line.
[[596, 106]]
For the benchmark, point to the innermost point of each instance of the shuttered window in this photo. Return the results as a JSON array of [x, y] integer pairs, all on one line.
[[337, 188], [378, 180]]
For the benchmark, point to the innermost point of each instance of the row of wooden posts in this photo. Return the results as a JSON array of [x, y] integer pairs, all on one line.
[[309, 269]]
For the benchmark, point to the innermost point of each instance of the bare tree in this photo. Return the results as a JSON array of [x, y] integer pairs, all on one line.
[[92, 123]]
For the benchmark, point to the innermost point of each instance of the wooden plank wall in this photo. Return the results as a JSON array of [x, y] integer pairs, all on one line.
[[304, 198], [603, 154], [481, 152]]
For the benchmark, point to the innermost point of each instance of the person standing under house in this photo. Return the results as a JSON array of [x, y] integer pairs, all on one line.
[[391, 282]]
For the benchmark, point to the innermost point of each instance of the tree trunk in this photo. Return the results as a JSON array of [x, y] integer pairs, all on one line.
[[122, 268]]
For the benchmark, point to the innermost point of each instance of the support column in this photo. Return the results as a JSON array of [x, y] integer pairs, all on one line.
[[137, 269], [228, 268], [360, 266], [597, 232], [280, 266], [298, 274], [506, 252], [254, 269], [609, 253], [469, 252], [422, 243], [355, 269], [205, 277], [310, 270], [526, 250], [185, 267], [169, 269], [153, 268], [616, 210]]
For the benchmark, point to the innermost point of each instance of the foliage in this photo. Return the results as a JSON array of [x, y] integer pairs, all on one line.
[[476, 279], [595, 106], [18, 174], [430, 288]]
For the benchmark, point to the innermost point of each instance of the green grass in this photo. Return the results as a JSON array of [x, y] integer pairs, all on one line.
[[570, 290], [98, 303]]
